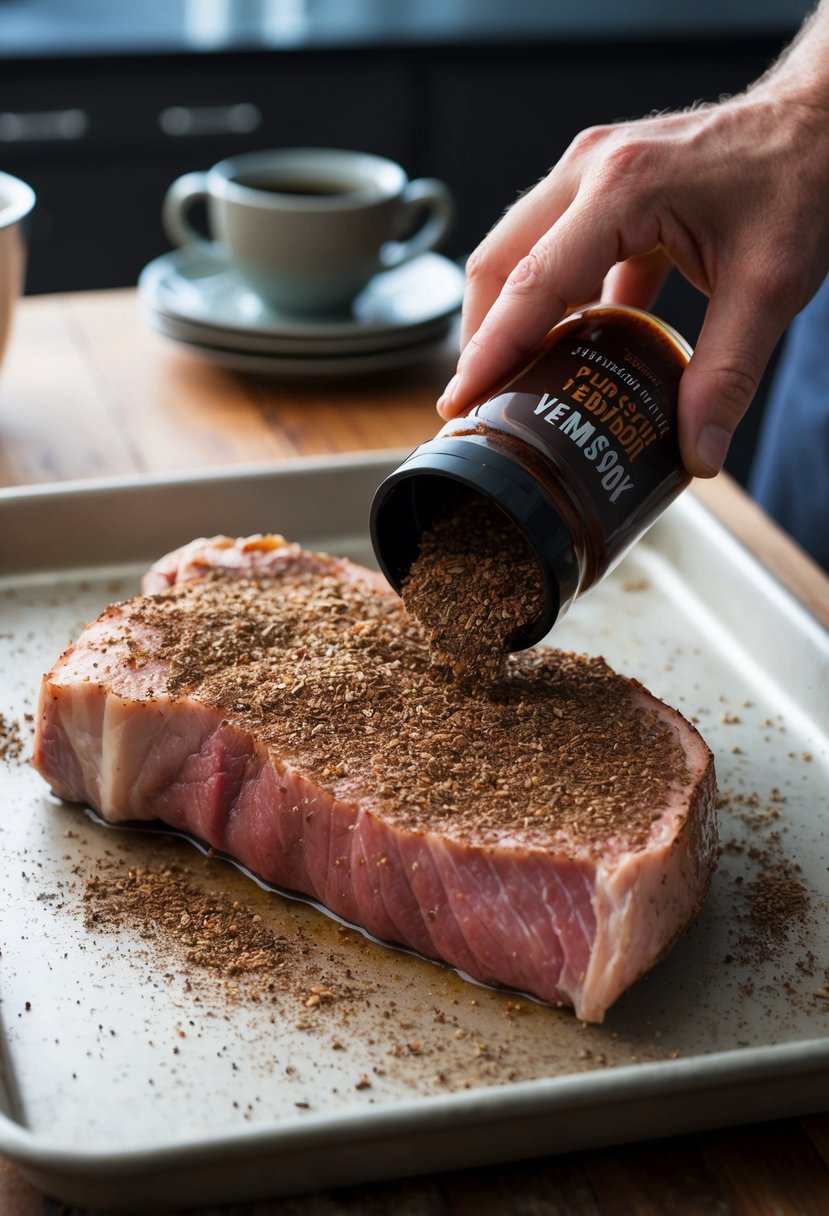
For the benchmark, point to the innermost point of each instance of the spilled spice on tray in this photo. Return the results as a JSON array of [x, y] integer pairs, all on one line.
[[209, 930], [775, 901], [11, 738], [474, 586], [777, 897]]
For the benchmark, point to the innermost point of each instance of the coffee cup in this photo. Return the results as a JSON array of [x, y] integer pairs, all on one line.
[[16, 201], [307, 228]]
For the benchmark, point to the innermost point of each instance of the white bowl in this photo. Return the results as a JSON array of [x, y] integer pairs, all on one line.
[[16, 201]]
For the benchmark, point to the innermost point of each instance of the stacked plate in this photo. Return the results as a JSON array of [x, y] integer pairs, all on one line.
[[194, 296]]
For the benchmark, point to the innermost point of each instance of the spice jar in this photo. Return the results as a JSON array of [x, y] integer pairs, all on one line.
[[579, 448]]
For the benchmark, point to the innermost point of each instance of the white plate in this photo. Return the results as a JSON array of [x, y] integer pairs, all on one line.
[[310, 367], [267, 344], [200, 285]]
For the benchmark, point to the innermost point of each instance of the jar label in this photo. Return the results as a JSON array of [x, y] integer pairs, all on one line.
[[600, 402]]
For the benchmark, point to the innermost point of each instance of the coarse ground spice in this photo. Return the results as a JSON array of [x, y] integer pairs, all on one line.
[[11, 738], [778, 897], [776, 902], [333, 674], [209, 929], [474, 586]]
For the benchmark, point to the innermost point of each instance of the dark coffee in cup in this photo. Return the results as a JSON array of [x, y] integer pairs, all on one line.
[[304, 189]]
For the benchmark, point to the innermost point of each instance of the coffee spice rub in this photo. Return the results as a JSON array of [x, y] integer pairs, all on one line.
[[340, 680]]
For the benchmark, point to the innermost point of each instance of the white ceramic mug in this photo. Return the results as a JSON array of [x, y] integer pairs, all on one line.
[[308, 227], [16, 201]]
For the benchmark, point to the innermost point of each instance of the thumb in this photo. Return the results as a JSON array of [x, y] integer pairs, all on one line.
[[735, 343]]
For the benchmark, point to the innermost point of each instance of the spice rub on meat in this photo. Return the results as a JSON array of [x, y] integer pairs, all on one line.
[[555, 834]]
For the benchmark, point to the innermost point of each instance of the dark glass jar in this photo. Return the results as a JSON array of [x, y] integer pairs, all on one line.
[[579, 448]]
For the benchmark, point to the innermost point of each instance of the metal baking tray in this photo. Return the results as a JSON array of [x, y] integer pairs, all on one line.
[[133, 1079]]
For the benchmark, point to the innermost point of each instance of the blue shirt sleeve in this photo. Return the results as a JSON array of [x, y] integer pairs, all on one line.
[[789, 476]]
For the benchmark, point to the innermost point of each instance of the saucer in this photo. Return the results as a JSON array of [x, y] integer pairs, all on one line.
[[199, 285], [265, 344], [311, 367]]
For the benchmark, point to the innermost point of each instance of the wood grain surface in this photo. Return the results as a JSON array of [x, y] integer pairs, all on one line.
[[88, 390]]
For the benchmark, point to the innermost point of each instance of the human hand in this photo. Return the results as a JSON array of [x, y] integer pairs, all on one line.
[[734, 195]]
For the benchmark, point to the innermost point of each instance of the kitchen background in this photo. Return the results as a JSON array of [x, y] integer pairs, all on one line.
[[103, 104]]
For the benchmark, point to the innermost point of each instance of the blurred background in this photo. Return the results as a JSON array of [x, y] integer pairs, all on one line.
[[104, 102]]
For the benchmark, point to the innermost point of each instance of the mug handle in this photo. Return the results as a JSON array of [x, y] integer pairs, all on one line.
[[426, 193], [185, 191]]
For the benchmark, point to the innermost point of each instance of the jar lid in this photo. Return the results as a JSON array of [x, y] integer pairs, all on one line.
[[444, 472]]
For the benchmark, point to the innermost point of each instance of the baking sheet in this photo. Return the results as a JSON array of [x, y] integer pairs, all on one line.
[[133, 1078]]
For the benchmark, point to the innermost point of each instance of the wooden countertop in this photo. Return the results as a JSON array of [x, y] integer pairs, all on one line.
[[87, 390]]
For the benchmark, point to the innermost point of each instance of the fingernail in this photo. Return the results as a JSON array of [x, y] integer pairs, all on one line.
[[712, 446], [445, 399]]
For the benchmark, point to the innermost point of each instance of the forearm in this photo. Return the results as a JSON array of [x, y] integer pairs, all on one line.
[[801, 73]]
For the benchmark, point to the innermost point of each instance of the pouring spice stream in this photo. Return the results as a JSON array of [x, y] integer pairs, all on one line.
[[474, 586]]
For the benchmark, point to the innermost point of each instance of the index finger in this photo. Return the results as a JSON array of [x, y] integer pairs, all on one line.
[[512, 238], [564, 268]]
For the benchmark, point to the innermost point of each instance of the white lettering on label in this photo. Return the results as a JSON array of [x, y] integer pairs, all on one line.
[[605, 458], [614, 478], [578, 430], [597, 447], [554, 413]]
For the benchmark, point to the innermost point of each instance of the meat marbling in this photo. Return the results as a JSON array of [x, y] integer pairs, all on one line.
[[176, 706]]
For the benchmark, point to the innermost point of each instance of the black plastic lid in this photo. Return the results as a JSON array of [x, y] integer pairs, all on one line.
[[443, 473]]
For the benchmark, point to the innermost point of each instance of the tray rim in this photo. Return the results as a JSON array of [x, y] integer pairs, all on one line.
[[544, 1095], [120, 482]]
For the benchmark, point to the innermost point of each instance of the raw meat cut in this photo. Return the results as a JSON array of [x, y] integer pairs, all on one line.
[[556, 835]]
